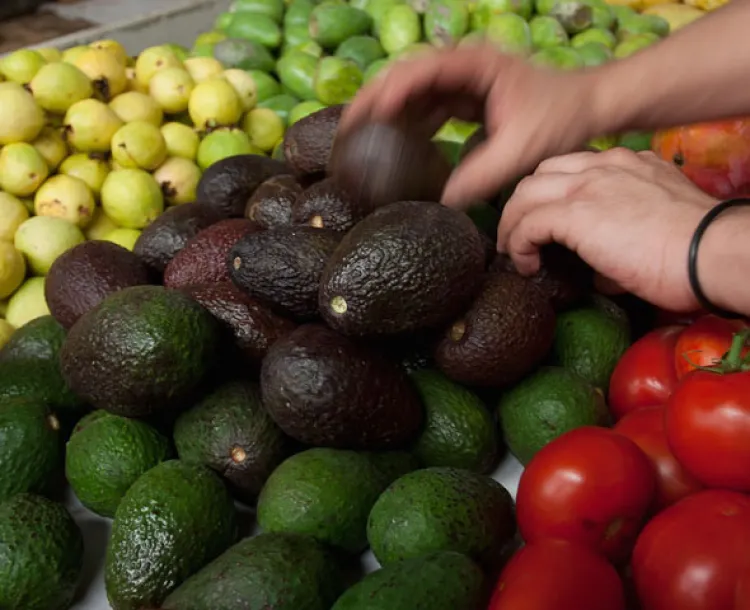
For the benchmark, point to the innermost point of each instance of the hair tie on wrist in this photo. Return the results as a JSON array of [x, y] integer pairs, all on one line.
[[695, 284]]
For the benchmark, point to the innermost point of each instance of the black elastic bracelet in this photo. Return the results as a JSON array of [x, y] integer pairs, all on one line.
[[695, 284]]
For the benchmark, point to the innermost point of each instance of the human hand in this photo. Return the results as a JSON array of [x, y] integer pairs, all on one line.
[[629, 215], [529, 113]]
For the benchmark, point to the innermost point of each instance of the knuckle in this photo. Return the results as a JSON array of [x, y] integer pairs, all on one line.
[[620, 156]]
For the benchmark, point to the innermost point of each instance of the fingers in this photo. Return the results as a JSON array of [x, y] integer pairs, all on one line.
[[538, 190], [461, 71], [541, 226]]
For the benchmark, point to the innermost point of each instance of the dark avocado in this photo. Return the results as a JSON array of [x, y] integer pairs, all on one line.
[[325, 205], [143, 350], [282, 267], [204, 257], [253, 326], [563, 277], [325, 390], [271, 204], [39, 339], [168, 234], [266, 572], [308, 142], [230, 431], [504, 334], [82, 277], [41, 380], [379, 163], [407, 266], [227, 185]]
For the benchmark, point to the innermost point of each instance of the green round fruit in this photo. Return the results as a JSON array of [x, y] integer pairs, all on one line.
[[224, 143], [41, 239], [132, 198], [106, 454]]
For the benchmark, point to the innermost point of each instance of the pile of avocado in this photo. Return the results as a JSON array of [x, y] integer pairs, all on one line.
[[314, 339], [308, 54]]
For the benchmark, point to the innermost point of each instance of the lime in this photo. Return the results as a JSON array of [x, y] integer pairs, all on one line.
[[303, 109], [41, 239], [12, 269], [594, 54], [264, 127], [224, 143], [123, 237], [12, 213], [132, 198], [27, 303], [100, 225]]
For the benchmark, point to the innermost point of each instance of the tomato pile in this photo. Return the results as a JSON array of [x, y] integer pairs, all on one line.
[[653, 513]]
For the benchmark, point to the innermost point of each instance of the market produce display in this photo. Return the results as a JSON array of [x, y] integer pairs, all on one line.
[[352, 360], [101, 143]]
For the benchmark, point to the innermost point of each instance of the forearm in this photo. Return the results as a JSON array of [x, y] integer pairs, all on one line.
[[723, 263], [697, 74]]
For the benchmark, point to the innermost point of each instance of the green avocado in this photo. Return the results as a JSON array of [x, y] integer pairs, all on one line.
[[278, 571], [172, 521], [143, 350], [41, 554], [30, 448], [435, 581], [442, 509], [332, 24], [323, 493], [106, 454]]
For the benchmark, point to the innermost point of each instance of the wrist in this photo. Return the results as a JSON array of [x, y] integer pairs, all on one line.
[[723, 260]]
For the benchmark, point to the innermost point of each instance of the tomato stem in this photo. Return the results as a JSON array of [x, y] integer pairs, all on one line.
[[733, 361]]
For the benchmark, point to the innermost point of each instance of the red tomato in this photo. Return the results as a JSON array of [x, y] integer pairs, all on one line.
[[704, 342], [646, 428], [692, 555], [592, 486], [645, 375], [742, 594], [708, 428], [557, 574]]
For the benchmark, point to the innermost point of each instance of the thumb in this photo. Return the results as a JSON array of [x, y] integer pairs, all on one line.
[[484, 171]]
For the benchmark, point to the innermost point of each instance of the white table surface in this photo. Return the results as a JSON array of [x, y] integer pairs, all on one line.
[[96, 531]]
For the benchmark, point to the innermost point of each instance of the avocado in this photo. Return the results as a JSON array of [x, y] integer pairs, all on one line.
[[407, 266], [82, 277], [42, 381], [308, 142], [331, 24], [590, 342], [41, 554], [323, 493], [325, 205], [172, 521], [227, 185], [504, 334], [30, 448], [278, 571], [545, 405], [271, 204], [204, 257], [168, 234], [252, 325], [230, 432], [563, 276], [324, 389], [442, 509], [141, 350], [459, 431], [381, 163], [106, 454], [435, 581], [282, 267], [39, 339]]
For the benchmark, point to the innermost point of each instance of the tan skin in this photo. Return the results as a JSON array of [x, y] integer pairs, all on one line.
[[630, 216]]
